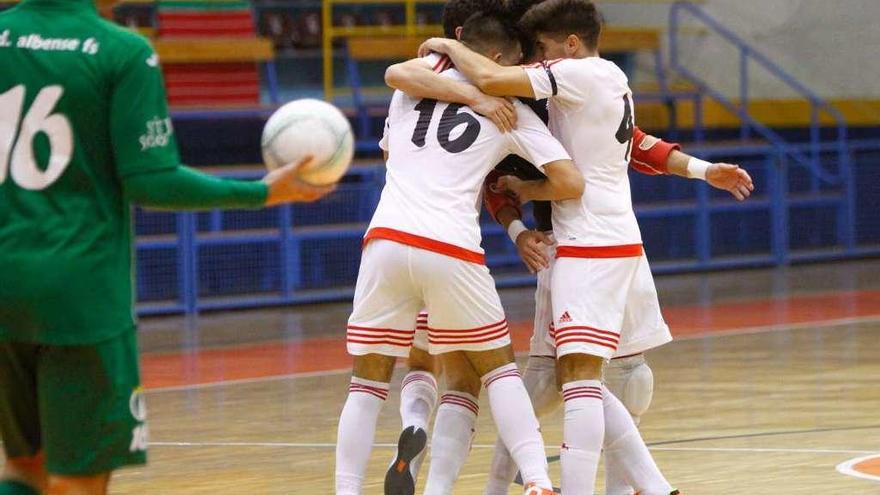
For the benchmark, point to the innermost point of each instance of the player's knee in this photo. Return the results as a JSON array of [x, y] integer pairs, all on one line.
[[78, 485], [375, 367], [420, 360], [463, 380], [540, 381], [485, 362], [574, 367], [632, 381]]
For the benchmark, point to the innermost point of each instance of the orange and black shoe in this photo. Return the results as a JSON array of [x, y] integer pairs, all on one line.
[[537, 490], [399, 479]]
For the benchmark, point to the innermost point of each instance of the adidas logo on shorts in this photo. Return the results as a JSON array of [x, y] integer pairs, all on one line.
[[565, 318]]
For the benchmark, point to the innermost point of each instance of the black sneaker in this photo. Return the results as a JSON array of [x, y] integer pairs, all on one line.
[[399, 479]]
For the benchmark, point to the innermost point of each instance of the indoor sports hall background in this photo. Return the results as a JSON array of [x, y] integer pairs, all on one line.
[[775, 301], [782, 92]]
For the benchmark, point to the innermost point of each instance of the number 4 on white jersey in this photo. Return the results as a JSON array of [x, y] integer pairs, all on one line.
[[23, 165]]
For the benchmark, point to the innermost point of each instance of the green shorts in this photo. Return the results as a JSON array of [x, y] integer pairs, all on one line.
[[82, 406]]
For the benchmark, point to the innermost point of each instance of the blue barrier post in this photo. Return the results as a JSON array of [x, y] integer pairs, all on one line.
[[703, 230], [777, 174], [846, 223], [272, 82], [294, 250], [744, 130], [187, 262], [285, 219], [814, 146]]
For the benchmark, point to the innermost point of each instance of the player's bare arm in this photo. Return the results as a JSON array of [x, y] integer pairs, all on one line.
[[653, 156], [564, 181], [488, 76], [418, 79], [724, 176]]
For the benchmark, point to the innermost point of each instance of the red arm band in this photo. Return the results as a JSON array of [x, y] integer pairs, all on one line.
[[650, 154], [496, 201]]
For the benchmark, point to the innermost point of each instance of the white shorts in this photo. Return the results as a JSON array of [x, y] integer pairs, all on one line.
[[542, 343], [420, 341], [396, 282], [605, 307]]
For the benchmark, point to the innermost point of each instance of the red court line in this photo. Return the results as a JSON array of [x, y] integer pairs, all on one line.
[[326, 354]]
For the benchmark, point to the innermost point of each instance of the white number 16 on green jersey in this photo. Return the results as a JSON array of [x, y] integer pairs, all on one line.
[[17, 155]]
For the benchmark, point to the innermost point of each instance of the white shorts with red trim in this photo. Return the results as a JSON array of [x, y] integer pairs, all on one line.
[[420, 341], [605, 307], [541, 343], [396, 282]]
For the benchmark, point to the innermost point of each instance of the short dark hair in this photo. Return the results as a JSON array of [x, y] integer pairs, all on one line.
[[484, 31], [515, 10], [518, 8], [457, 12], [560, 18]]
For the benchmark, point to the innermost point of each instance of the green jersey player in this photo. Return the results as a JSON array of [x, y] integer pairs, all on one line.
[[84, 132]]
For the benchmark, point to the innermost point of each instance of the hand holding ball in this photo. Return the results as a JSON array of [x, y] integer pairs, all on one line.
[[309, 128]]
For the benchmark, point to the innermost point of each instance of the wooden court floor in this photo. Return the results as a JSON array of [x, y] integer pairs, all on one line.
[[772, 383]]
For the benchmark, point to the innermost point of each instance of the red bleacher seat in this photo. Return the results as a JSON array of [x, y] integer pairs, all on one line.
[[206, 23], [236, 84], [204, 83]]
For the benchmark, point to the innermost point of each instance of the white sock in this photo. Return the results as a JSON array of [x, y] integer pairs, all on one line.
[[615, 480], [631, 381], [625, 444], [418, 397], [357, 428], [502, 471], [539, 379], [517, 424], [451, 443], [582, 435]]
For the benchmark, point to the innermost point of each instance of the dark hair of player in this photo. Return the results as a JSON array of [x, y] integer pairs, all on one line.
[[518, 8], [484, 32], [515, 10], [560, 18], [456, 12]]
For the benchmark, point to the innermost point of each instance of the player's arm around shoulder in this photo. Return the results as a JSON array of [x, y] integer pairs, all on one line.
[[421, 78], [487, 75]]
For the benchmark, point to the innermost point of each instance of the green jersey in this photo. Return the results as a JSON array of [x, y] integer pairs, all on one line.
[[83, 108]]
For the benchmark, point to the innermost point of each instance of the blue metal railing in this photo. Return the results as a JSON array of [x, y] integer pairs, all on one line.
[[287, 255], [811, 157]]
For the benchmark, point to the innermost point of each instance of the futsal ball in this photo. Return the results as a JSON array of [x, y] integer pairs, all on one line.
[[309, 127]]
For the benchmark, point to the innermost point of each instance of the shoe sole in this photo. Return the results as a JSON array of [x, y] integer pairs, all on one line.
[[398, 479]]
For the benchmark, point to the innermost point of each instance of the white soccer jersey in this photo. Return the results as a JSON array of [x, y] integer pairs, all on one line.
[[439, 155], [591, 113]]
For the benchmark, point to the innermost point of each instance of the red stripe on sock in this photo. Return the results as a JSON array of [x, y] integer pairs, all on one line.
[[506, 374], [461, 401], [583, 395], [418, 378]]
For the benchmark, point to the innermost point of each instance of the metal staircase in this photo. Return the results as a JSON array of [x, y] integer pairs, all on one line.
[[799, 176]]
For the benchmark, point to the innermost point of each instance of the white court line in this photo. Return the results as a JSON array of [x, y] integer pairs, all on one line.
[[760, 450], [720, 333], [847, 468], [324, 445]]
